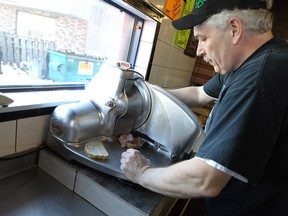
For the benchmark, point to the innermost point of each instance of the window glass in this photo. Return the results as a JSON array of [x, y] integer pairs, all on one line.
[[47, 46], [36, 26]]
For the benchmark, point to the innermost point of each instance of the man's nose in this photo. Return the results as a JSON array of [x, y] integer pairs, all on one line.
[[200, 50]]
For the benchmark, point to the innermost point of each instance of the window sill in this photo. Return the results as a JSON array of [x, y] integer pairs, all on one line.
[[29, 104], [39, 99]]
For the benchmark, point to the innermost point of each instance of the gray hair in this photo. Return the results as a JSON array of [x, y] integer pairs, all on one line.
[[255, 21]]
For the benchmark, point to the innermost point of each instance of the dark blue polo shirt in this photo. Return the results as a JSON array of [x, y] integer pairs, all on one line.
[[247, 133]]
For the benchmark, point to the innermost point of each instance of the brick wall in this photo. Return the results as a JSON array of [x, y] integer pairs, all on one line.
[[70, 31]]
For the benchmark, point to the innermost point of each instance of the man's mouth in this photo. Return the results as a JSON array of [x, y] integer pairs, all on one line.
[[207, 59]]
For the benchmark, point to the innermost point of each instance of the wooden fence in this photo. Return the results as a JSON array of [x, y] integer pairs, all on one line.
[[25, 53]]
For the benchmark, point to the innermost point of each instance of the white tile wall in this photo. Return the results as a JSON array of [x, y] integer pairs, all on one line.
[[170, 67], [167, 31], [168, 56], [169, 77], [7, 137], [156, 77], [31, 132]]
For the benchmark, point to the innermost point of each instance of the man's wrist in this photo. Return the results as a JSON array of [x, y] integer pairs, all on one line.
[[139, 176]]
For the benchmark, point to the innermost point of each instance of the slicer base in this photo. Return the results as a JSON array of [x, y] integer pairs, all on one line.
[[111, 165]]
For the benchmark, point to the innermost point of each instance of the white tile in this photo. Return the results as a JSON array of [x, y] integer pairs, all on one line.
[[179, 61], [170, 66], [156, 75], [57, 168], [177, 78], [7, 134], [31, 132], [169, 56], [169, 77], [167, 59], [159, 55], [167, 32]]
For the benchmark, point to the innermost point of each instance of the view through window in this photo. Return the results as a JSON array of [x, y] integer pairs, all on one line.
[[40, 47], [36, 26]]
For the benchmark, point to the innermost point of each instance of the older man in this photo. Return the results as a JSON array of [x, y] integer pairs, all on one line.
[[240, 169]]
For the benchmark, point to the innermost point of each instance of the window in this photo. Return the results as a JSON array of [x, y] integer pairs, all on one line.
[[41, 47], [36, 26]]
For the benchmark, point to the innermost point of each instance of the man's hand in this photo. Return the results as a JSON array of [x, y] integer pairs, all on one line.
[[133, 164]]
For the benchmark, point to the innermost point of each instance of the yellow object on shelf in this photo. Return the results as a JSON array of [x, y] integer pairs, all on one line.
[[201, 111]]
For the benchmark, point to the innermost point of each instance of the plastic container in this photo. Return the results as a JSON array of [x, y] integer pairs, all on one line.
[[67, 67]]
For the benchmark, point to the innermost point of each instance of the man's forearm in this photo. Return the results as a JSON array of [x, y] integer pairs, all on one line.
[[187, 179], [192, 96]]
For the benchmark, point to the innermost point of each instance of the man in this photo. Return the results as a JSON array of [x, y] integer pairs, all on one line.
[[1, 55], [240, 169]]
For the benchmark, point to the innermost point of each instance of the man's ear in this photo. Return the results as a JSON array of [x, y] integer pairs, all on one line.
[[236, 28]]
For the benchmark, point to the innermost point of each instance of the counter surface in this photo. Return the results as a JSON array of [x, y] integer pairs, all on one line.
[[107, 193], [33, 192], [46, 184]]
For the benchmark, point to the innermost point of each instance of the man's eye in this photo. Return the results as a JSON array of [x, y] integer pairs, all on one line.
[[200, 39]]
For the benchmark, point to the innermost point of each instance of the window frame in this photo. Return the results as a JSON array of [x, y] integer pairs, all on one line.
[[132, 56]]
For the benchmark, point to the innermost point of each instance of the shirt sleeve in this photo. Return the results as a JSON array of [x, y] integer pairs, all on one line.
[[223, 169], [214, 86]]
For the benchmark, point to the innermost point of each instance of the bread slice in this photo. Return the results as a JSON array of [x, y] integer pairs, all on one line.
[[96, 150]]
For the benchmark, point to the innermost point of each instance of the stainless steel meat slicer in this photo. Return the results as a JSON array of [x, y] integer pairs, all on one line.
[[118, 102]]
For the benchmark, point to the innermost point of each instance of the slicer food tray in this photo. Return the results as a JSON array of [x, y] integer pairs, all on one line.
[[111, 165]]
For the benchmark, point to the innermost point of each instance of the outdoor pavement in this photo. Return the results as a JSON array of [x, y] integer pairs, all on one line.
[[15, 76]]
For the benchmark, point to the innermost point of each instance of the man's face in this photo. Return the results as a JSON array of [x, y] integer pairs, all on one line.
[[215, 47]]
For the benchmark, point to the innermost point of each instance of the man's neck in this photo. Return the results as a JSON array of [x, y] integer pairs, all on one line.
[[251, 44], [256, 41]]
